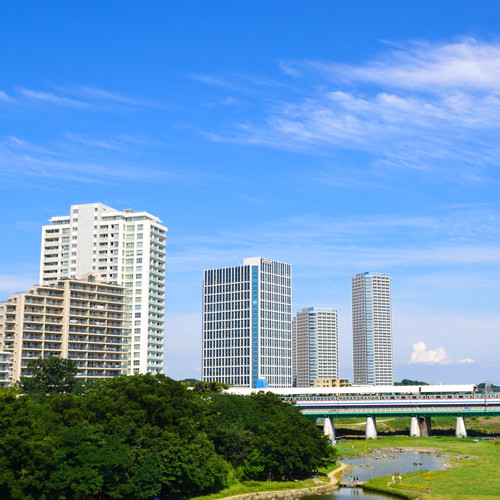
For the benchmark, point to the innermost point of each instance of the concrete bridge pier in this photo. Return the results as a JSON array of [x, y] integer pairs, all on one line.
[[460, 430], [329, 429], [371, 428], [415, 427], [425, 426]]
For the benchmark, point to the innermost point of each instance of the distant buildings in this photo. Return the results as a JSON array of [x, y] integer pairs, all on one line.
[[331, 382], [372, 329], [247, 323], [125, 248], [315, 339], [82, 320]]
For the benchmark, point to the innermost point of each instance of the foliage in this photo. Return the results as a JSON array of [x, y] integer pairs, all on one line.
[[266, 437], [50, 375], [144, 436], [209, 387], [406, 381]]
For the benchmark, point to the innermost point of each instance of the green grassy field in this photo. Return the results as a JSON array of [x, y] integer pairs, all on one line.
[[468, 478]]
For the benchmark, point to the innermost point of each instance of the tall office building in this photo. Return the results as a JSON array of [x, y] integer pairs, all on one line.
[[77, 319], [125, 248], [315, 340], [247, 324], [372, 329]]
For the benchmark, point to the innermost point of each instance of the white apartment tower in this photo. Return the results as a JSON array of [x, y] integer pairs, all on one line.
[[125, 248], [315, 340], [247, 324], [372, 329]]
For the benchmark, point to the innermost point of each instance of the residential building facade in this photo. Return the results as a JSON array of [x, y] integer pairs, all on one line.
[[315, 340], [5, 364], [125, 248], [372, 329], [82, 320], [247, 324]]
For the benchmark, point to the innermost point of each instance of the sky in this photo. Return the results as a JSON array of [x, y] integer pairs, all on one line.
[[338, 136]]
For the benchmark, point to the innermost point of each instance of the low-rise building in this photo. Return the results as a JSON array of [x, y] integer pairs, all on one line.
[[331, 382], [82, 320]]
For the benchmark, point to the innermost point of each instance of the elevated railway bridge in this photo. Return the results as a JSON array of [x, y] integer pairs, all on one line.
[[420, 403]]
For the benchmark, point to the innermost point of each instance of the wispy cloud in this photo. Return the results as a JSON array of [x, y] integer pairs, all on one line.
[[5, 97], [77, 97], [467, 64], [64, 164], [49, 97], [217, 82], [431, 109]]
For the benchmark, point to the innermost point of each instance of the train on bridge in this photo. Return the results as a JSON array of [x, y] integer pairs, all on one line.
[[415, 395]]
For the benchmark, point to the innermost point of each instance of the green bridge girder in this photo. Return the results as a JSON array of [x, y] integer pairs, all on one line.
[[399, 413]]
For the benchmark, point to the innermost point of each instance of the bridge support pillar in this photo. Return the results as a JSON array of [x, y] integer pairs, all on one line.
[[425, 426], [329, 429], [415, 427], [460, 430], [371, 428]]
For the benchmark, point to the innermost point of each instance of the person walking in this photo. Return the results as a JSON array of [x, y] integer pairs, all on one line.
[[399, 479]]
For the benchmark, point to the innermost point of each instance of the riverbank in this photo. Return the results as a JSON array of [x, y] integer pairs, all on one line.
[[471, 468], [287, 491]]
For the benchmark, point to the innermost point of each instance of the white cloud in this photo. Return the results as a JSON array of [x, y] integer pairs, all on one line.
[[421, 354], [467, 64]]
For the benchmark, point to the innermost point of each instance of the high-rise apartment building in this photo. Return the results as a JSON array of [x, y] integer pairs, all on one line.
[[315, 340], [247, 324], [125, 248], [372, 329], [77, 319], [5, 364]]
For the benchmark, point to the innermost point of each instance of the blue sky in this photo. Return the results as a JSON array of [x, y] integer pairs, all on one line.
[[337, 136]]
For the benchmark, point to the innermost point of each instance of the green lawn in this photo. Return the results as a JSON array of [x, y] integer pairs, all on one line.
[[470, 478]]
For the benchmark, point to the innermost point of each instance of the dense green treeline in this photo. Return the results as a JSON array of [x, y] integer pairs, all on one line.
[[144, 436]]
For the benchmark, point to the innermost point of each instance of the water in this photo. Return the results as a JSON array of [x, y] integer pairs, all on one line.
[[388, 467], [381, 467], [343, 493]]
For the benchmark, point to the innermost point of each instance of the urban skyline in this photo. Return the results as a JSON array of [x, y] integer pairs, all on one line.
[[338, 137]]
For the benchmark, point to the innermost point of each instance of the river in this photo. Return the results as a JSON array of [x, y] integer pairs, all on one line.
[[381, 467]]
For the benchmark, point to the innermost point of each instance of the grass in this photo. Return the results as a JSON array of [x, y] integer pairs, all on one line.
[[468, 478], [248, 487]]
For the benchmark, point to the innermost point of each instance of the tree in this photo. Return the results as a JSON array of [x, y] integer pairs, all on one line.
[[406, 381], [50, 375]]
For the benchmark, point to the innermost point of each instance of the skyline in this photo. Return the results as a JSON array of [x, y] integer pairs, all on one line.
[[339, 138]]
